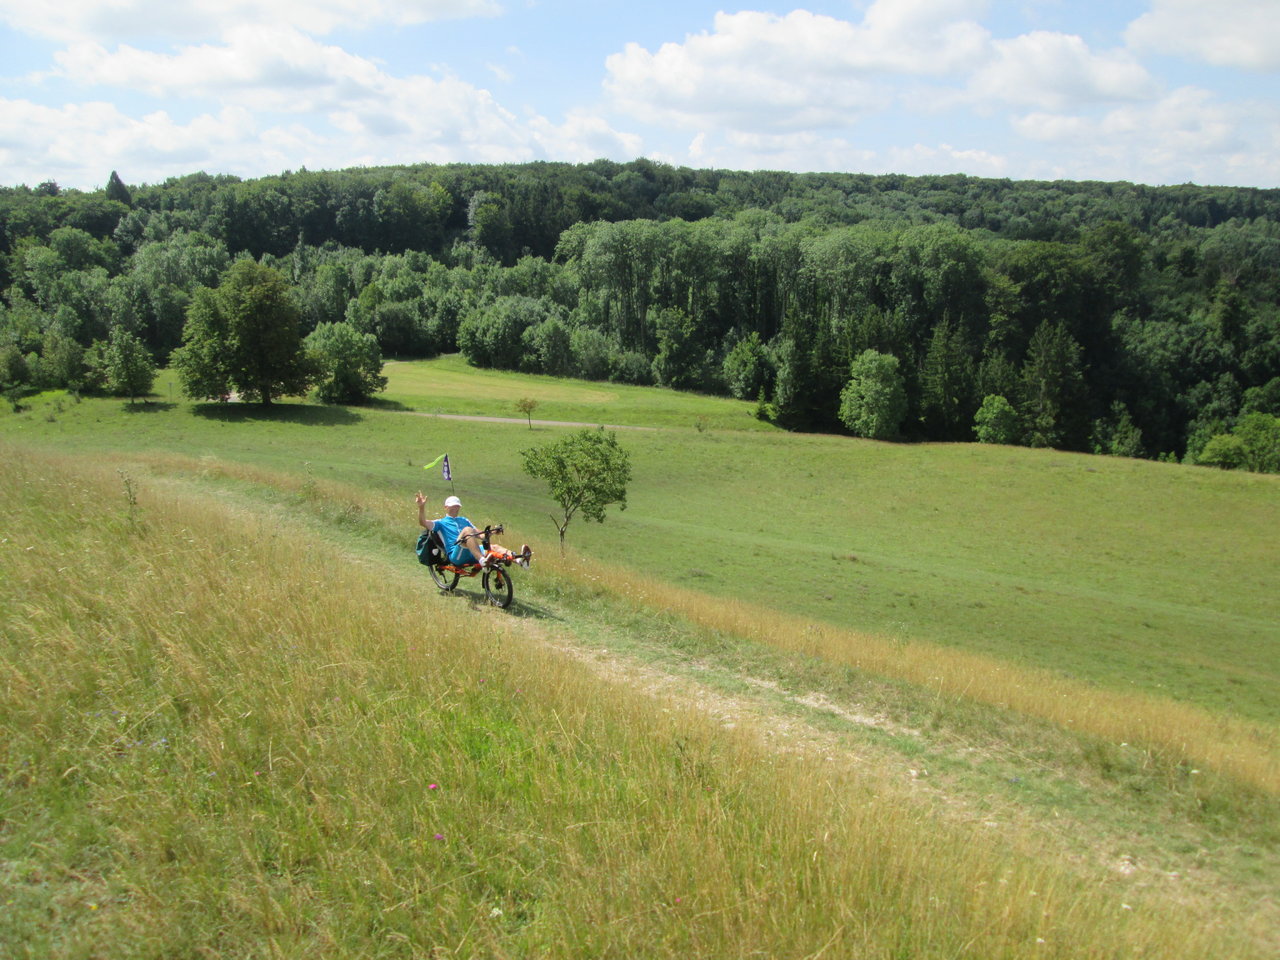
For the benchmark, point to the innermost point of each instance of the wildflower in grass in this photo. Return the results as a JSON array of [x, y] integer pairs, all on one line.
[[433, 786], [439, 836]]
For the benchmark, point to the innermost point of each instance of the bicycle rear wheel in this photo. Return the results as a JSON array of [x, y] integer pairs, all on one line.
[[498, 587], [445, 579]]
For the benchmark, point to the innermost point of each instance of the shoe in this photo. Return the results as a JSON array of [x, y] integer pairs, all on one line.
[[484, 561]]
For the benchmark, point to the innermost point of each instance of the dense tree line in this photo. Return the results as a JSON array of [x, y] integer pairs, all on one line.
[[1107, 316]]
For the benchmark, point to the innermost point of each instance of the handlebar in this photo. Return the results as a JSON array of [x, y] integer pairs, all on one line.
[[487, 532]]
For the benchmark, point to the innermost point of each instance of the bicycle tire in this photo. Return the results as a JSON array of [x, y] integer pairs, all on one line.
[[498, 587], [446, 580]]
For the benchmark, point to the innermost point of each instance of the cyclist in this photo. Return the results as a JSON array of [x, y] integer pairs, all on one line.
[[462, 541]]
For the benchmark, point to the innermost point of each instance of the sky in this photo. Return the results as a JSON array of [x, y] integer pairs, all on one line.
[[1149, 91]]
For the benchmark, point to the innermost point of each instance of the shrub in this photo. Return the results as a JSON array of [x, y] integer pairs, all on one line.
[[996, 421]]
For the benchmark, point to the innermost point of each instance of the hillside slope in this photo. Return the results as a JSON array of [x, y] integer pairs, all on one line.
[[234, 641]]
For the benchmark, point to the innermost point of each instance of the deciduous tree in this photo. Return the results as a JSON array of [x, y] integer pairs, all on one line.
[[128, 366], [874, 401], [585, 472], [347, 364], [526, 406], [996, 421], [243, 335]]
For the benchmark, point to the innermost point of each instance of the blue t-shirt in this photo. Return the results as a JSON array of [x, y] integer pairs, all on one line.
[[449, 528]]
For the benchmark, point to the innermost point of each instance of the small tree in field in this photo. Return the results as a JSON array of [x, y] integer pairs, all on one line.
[[130, 371], [585, 472], [527, 405], [996, 421], [874, 401]]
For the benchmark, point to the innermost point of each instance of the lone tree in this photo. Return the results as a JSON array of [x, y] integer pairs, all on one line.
[[244, 335], [585, 471], [527, 405], [874, 401], [996, 421], [129, 369], [116, 190]]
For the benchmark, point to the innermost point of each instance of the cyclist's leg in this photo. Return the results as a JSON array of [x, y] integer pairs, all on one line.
[[469, 549]]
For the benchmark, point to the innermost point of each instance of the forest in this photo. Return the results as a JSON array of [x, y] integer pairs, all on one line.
[[1107, 317]]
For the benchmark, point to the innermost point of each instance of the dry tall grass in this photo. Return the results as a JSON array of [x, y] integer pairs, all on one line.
[[1176, 734], [219, 737]]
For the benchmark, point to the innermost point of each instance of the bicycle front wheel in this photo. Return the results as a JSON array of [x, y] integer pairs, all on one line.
[[498, 587]]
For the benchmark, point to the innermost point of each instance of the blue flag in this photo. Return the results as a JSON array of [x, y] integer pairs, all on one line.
[[447, 474]]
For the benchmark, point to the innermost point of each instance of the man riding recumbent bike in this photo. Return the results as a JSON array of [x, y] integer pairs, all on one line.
[[452, 547]]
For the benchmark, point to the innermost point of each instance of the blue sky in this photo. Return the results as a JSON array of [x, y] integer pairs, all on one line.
[[1153, 91]]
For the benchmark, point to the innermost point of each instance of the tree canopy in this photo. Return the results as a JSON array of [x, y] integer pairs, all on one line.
[[244, 336], [585, 472], [1110, 316], [874, 401], [347, 364]]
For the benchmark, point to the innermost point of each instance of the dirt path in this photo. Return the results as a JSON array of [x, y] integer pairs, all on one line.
[[811, 726], [532, 423]]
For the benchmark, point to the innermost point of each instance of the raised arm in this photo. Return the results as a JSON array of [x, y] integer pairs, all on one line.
[[422, 512]]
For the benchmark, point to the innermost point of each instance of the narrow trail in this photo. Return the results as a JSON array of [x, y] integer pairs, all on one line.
[[811, 727], [534, 422], [941, 770]]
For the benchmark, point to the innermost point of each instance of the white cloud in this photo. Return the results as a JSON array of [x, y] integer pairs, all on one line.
[[279, 70], [1055, 71], [801, 152], [279, 99], [944, 158], [814, 153], [115, 20], [922, 36], [1226, 33], [1185, 136], [583, 137], [76, 143], [272, 68], [761, 72]]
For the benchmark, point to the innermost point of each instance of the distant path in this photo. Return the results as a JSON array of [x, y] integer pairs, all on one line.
[[538, 423]]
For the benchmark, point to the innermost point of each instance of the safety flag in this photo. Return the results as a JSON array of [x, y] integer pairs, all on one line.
[[447, 475], [434, 462]]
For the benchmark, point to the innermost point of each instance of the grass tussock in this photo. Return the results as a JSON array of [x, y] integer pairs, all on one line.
[[1184, 740], [219, 737]]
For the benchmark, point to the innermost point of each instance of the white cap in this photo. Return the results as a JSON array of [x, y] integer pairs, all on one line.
[[452, 502]]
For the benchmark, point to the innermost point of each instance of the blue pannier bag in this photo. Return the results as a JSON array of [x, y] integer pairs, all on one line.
[[429, 549]]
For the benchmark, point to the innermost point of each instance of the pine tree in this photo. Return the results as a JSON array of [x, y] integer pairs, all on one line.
[[116, 190]]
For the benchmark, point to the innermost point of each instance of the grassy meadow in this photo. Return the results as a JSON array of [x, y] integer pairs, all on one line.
[[805, 696]]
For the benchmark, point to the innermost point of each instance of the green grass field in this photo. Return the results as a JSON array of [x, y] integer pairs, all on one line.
[[1116, 572], [1082, 650]]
